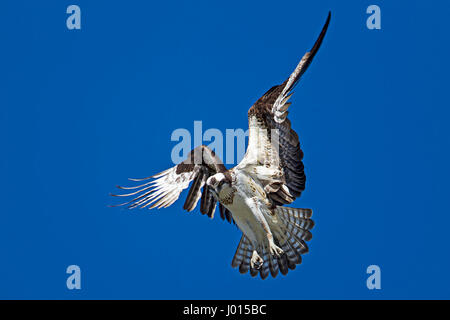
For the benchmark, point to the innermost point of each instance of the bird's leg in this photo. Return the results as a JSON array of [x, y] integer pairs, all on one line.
[[256, 261], [259, 215], [273, 248]]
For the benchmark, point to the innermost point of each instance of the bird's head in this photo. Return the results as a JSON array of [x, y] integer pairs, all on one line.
[[217, 182]]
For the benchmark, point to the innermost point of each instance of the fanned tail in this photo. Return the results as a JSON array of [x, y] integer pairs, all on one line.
[[295, 225], [295, 232]]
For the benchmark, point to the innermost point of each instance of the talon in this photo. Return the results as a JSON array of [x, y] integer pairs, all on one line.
[[275, 250], [256, 261]]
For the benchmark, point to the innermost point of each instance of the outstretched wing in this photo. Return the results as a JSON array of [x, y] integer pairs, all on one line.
[[273, 154], [165, 188]]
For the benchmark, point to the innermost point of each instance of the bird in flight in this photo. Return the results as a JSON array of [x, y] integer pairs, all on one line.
[[254, 193]]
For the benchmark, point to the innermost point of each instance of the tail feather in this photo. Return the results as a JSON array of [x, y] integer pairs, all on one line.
[[283, 264], [273, 265], [243, 255], [294, 231], [264, 269], [292, 255], [239, 256], [297, 226], [254, 272]]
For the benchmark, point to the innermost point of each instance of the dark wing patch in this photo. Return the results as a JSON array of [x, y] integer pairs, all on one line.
[[164, 188], [271, 111], [226, 214]]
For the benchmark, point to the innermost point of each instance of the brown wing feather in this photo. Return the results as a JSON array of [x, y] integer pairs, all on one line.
[[270, 112], [226, 214], [166, 187]]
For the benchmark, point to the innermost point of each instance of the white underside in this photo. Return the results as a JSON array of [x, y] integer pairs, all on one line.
[[246, 220], [250, 210]]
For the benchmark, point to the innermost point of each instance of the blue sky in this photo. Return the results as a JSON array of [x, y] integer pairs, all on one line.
[[83, 110]]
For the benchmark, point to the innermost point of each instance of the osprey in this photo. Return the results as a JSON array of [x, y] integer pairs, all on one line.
[[252, 194]]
